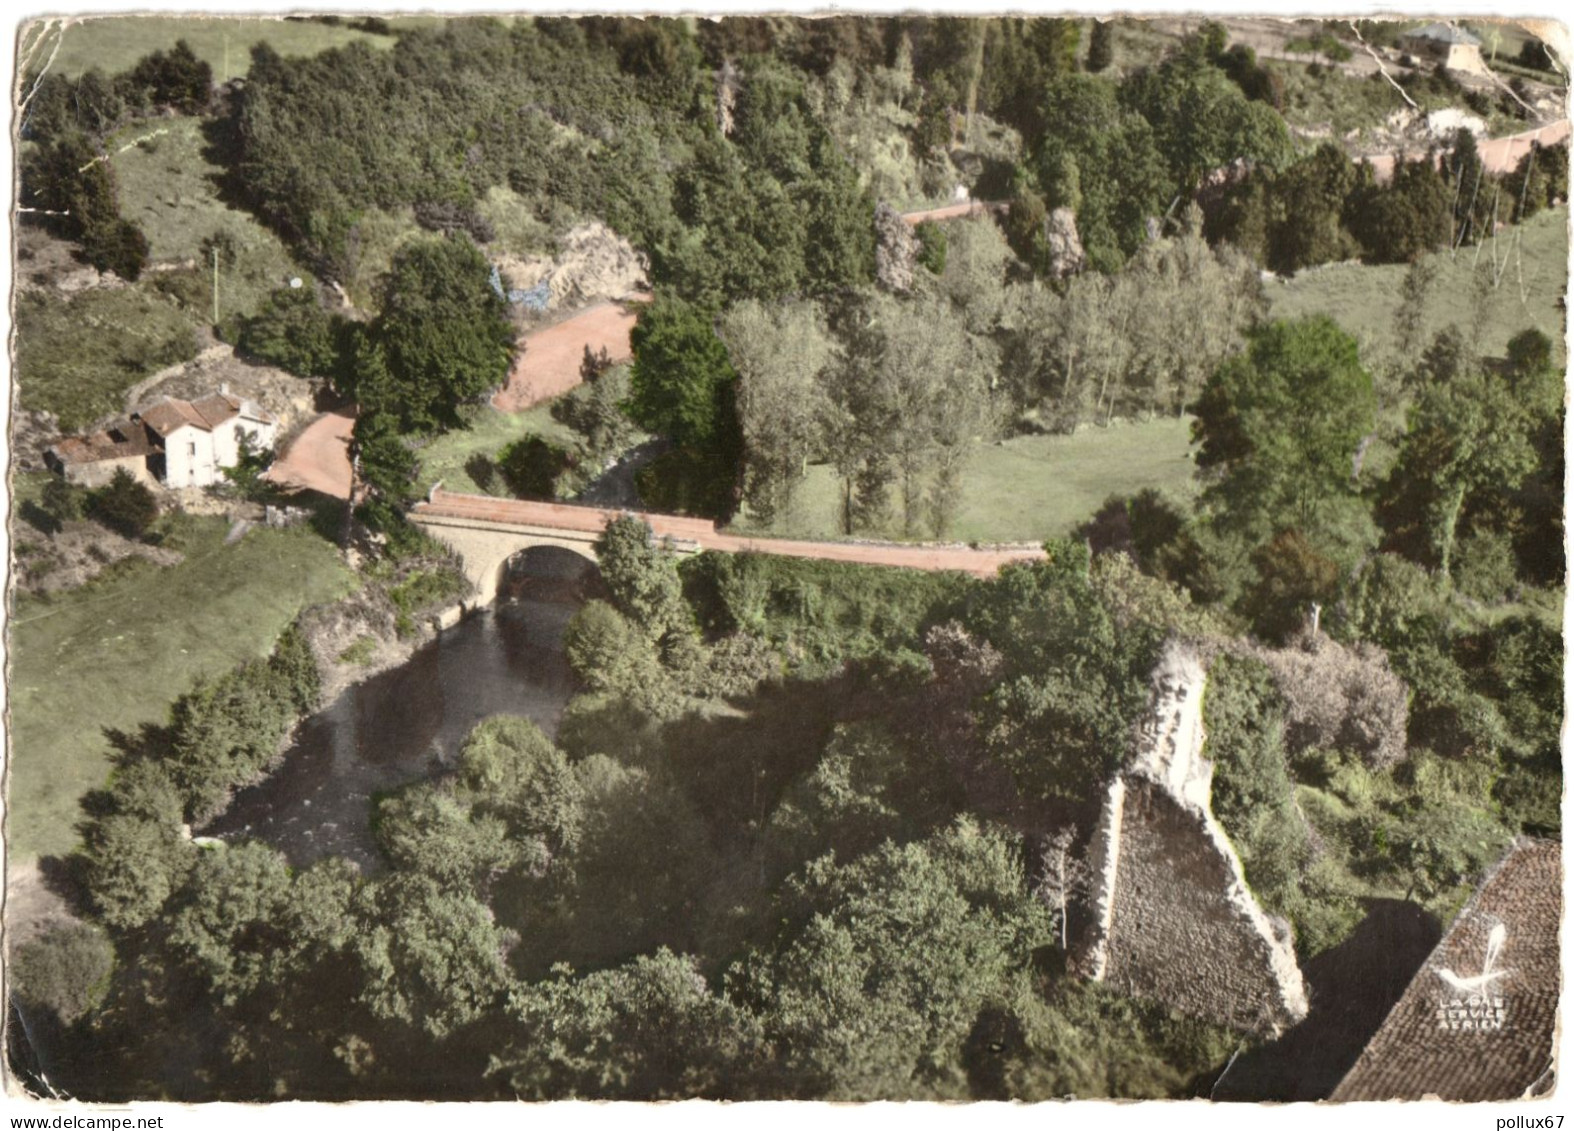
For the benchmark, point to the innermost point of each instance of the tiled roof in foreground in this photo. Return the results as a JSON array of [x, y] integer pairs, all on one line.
[[1476, 1023]]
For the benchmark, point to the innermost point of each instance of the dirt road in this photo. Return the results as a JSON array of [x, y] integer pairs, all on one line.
[[319, 459], [703, 533], [1499, 154], [548, 364], [954, 211]]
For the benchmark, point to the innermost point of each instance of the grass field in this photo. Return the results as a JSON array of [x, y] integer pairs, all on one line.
[[115, 43], [1363, 299], [490, 431], [117, 651], [1028, 488], [168, 188], [77, 356]]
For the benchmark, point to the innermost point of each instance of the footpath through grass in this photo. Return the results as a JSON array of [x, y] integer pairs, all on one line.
[[115, 43], [1024, 489], [117, 651]]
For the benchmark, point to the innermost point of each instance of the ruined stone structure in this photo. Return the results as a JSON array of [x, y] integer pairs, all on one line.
[[1173, 918]]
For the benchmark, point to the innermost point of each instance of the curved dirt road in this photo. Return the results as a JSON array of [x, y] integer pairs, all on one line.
[[548, 364], [319, 458]]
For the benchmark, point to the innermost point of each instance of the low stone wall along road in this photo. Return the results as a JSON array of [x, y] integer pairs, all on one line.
[[447, 514]]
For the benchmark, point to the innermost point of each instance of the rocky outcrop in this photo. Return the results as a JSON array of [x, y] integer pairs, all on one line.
[[1063, 244], [593, 263], [1173, 919], [895, 250]]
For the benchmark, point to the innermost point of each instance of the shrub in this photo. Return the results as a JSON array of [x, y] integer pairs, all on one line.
[[1337, 696], [1484, 568], [65, 971], [531, 467], [125, 506], [116, 245], [932, 247]]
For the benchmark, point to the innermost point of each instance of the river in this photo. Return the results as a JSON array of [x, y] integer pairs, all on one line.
[[406, 724]]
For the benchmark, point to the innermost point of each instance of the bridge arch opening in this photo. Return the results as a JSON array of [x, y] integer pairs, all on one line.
[[549, 573]]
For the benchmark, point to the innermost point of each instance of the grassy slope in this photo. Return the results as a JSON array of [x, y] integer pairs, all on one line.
[[115, 43], [1028, 488], [166, 186], [116, 652], [1363, 299], [76, 356], [490, 431]]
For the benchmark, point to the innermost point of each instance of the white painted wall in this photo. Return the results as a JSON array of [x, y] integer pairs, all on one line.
[[188, 458]]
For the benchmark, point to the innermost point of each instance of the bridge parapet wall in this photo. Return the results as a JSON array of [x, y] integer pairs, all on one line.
[[486, 544]]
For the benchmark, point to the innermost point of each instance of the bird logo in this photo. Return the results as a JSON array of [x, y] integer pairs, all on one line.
[[1479, 984]]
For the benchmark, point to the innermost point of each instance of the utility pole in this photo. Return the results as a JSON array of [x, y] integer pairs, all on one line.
[[215, 286]]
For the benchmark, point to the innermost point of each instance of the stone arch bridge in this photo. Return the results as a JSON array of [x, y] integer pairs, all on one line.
[[487, 531]]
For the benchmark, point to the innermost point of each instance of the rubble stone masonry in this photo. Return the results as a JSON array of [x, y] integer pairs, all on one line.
[[1173, 918]]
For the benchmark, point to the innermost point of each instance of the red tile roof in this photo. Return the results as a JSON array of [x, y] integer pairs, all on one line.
[[121, 440], [169, 414], [215, 408], [1477, 1021]]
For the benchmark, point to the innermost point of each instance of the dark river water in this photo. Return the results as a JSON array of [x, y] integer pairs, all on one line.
[[403, 725]]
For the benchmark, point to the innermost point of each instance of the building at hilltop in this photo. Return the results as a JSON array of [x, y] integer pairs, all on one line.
[[171, 442], [1451, 46]]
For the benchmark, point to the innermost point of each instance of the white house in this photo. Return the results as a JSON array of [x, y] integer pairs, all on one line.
[[1452, 46], [179, 443]]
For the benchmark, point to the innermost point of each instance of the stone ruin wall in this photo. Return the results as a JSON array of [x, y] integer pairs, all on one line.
[[1173, 918]]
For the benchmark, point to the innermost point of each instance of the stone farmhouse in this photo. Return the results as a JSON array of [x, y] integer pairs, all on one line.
[[170, 442]]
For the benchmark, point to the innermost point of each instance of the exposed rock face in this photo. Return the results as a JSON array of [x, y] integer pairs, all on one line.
[[593, 263], [1174, 920], [728, 83], [896, 250], [31, 434], [1066, 256]]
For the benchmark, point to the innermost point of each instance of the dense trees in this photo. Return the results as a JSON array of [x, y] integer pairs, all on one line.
[[1308, 371], [907, 399], [440, 340], [1324, 208], [73, 186], [294, 332]]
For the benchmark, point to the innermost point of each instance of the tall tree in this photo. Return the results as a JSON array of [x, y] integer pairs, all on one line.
[[682, 381], [779, 354], [1278, 426], [1468, 438], [1101, 46], [443, 335]]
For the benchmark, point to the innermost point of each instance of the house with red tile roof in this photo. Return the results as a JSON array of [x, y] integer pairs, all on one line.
[[171, 441]]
